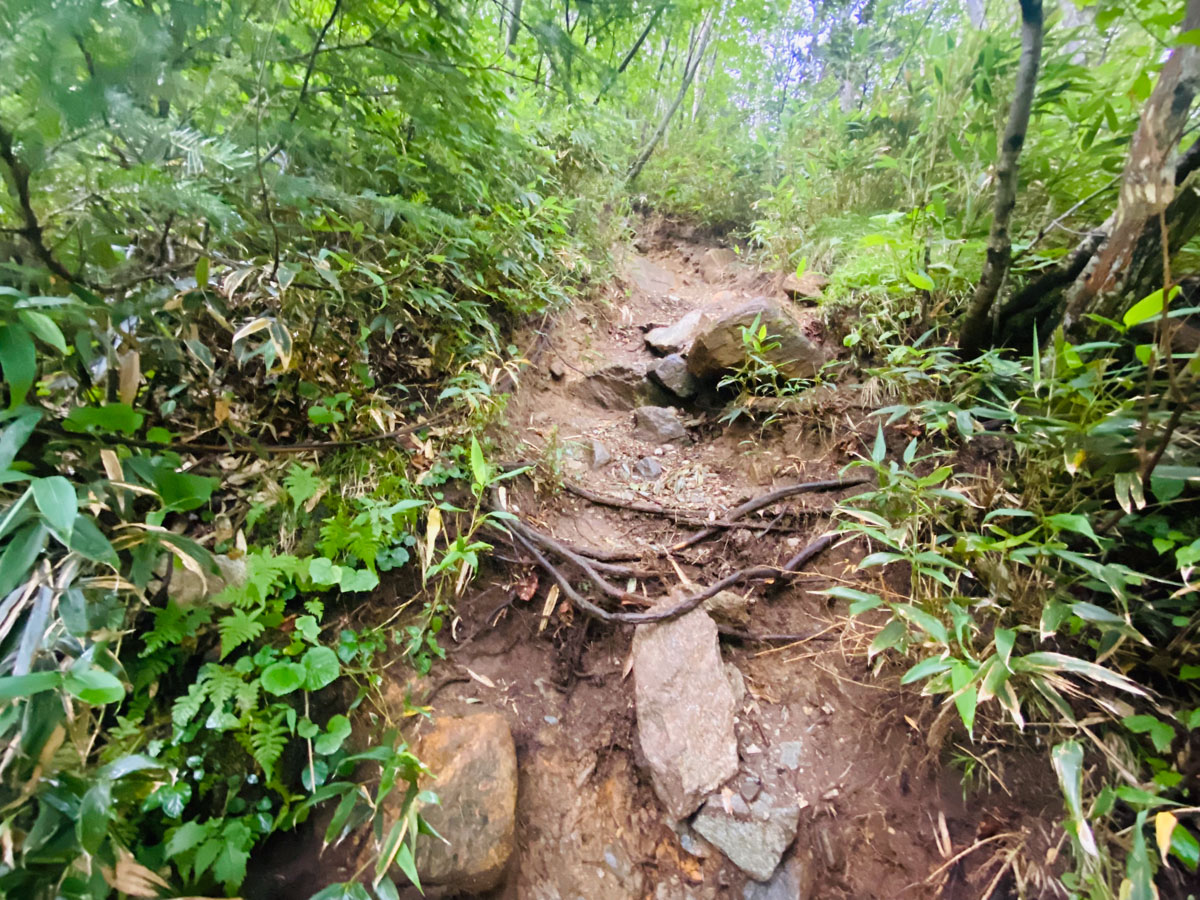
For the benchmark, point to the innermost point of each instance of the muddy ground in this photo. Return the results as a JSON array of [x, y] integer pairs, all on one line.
[[875, 770]]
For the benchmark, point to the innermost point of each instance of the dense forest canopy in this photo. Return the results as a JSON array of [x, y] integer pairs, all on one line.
[[264, 270]]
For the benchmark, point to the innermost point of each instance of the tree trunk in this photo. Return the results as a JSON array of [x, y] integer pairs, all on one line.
[[514, 26], [631, 54], [1120, 270], [975, 330], [695, 55]]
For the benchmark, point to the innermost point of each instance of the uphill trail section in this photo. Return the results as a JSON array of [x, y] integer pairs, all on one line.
[[687, 759]]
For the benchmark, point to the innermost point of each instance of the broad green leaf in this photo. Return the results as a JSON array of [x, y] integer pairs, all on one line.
[[1161, 734], [119, 418], [1067, 759], [55, 498], [18, 361], [15, 434], [91, 826], [95, 686], [321, 668], [889, 637], [920, 280], [1139, 872], [44, 328], [935, 665], [88, 540], [336, 732], [1149, 307], [20, 554], [928, 623], [182, 491], [13, 687], [283, 677], [479, 466], [965, 693], [860, 601], [1185, 847], [1075, 523]]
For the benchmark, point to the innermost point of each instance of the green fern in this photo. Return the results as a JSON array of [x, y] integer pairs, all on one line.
[[266, 740], [172, 625], [187, 706], [237, 628]]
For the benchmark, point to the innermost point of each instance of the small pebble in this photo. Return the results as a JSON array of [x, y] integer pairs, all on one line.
[[551, 720]]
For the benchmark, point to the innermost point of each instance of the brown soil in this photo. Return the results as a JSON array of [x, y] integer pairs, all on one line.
[[883, 810]]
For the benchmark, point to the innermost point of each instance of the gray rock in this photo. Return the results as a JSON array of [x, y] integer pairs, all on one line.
[[671, 372], [753, 836], [792, 881], [658, 425], [719, 347], [648, 467], [729, 608], [475, 762], [807, 287], [737, 683], [557, 370], [619, 387], [749, 787], [599, 455], [685, 710], [676, 338], [790, 753], [187, 588]]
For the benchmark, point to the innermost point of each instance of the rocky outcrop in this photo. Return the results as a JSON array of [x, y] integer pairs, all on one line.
[[720, 347], [658, 425], [685, 710], [671, 373], [753, 835], [618, 387], [475, 762], [676, 338]]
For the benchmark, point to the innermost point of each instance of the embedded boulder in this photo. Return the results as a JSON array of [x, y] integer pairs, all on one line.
[[475, 764], [671, 372], [685, 710], [618, 387], [719, 347], [677, 338]]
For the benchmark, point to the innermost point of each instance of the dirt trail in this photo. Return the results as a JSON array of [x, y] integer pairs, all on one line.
[[878, 816]]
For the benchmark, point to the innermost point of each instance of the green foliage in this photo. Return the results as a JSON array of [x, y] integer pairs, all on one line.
[[1021, 593]]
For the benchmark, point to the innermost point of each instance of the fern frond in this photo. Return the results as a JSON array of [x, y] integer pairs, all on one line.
[[237, 628]]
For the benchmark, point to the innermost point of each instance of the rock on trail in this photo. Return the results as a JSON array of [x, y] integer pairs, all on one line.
[[658, 425], [677, 338], [671, 372], [685, 710], [719, 347], [753, 835], [475, 762]]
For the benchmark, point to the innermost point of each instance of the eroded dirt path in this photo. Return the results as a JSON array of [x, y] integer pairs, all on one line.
[[814, 727]]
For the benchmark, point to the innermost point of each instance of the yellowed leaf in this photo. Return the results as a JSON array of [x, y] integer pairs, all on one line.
[[221, 410], [112, 465], [1164, 827], [129, 376], [433, 527], [548, 607], [482, 679]]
